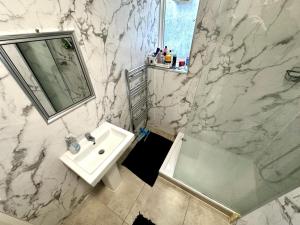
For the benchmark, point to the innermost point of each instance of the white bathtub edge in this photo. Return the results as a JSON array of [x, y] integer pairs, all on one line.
[[169, 164]]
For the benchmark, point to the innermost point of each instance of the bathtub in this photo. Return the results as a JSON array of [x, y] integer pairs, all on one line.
[[167, 171]]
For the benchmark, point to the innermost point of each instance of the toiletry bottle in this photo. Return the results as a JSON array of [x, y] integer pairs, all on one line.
[[157, 51], [159, 57], [72, 144], [168, 58], [187, 61], [181, 62], [165, 51], [174, 61]]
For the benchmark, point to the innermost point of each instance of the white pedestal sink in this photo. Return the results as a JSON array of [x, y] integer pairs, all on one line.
[[98, 161]]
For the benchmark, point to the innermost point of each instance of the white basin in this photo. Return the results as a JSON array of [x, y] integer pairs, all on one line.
[[92, 166]]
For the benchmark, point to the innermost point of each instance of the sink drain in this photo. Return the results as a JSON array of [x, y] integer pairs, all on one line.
[[101, 151]]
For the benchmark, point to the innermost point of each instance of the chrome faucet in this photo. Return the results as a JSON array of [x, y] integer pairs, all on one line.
[[89, 137]]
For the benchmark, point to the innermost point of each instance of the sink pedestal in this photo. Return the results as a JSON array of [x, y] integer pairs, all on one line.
[[112, 178]]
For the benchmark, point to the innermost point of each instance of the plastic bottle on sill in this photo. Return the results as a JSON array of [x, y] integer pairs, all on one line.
[[174, 61], [168, 57], [165, 51], [187, 61], [159, 57]]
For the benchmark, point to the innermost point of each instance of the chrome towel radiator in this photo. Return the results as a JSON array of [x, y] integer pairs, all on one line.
[[137, 91]]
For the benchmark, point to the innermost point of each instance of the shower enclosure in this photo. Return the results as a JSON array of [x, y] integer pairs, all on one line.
[[237, 181], [240, 147]]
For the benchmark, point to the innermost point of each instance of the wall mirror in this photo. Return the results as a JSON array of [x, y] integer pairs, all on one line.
[[50, 69]]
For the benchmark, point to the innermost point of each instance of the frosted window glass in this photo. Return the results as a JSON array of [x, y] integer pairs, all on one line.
[[180, 18]]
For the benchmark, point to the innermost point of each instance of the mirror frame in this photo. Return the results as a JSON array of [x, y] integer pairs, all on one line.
[[13, 39]]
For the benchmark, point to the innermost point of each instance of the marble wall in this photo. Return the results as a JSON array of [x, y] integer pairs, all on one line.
[[113, 35], [279, 168], [240, 53], [242, 103], [282, 211], [171, 97]]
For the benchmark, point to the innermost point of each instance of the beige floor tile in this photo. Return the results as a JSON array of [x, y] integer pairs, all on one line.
[[121, 200], [93, 212], [199, 213], [107, 217], [164, 204]]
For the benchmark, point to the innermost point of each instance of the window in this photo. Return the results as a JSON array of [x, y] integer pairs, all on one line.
[[177, 22]]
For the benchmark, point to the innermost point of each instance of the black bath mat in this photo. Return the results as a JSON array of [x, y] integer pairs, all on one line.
[[141, 220], [147, 157]]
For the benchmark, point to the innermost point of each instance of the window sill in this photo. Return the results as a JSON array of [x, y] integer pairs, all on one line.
[[176, 70]]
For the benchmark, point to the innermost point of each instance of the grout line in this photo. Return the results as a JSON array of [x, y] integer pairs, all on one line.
[[186, 209], [134, 202], [106, 206], [209, 203]]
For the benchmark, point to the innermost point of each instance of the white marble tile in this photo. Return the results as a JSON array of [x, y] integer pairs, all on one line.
[[243, 100], [240, 52], [242, 103], [171, 97], [277, 212], [113, 36]]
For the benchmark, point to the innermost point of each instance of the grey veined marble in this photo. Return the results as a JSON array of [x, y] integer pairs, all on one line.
[[282, 211], [113, 36], [241, 102], [240, 53]]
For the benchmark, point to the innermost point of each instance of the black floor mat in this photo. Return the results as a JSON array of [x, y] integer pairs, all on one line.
[[147, 157], [141, 220]]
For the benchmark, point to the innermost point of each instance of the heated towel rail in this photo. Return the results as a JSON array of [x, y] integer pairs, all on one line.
[[137, 91]]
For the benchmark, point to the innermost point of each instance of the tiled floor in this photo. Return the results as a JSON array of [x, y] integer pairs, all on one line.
[[164, 204]]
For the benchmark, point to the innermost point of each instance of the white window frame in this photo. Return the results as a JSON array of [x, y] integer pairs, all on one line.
[[161, 27]]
